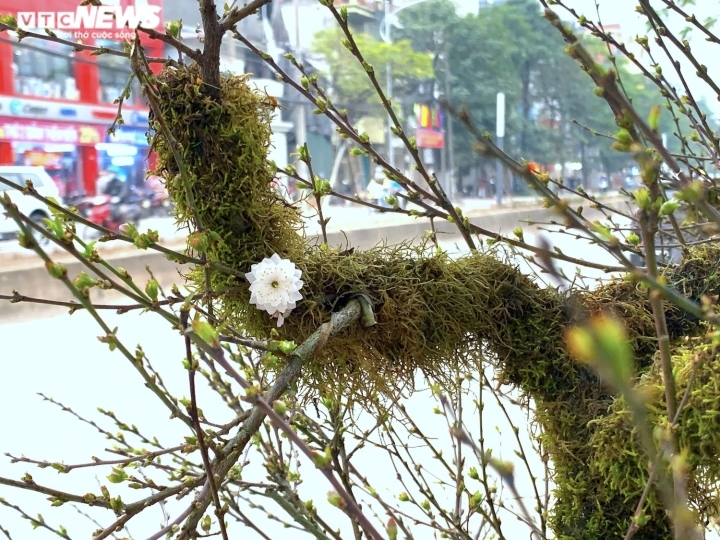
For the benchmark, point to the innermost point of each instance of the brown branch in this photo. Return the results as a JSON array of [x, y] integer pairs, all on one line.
[[194, 54], [61, 495], [355, 309], [199, 432], [210, 61], [237, 14]]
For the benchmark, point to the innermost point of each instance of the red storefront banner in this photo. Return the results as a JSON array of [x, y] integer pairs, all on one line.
[[17, 130], [428, 138]]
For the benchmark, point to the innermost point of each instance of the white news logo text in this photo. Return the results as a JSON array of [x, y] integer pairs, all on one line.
[[92, 18]]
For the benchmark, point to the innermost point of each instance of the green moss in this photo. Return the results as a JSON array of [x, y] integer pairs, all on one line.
[[434, 314], [618, 459], [224, 148]]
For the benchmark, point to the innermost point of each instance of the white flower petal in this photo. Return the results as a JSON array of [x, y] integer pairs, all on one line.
[[275, 286]]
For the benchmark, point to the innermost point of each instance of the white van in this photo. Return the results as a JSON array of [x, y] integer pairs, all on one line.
[[27, 205]]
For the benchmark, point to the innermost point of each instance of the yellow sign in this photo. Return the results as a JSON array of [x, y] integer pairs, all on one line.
[[88, 135]]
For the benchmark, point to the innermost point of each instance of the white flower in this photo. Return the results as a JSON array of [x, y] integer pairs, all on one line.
[[275, 286]]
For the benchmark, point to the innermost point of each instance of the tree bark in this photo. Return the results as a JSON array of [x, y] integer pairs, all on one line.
[[210, 65]]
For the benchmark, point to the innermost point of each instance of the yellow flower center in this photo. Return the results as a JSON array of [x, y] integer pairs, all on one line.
[[275, 284]]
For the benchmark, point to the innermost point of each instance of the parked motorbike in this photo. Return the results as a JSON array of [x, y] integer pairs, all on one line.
[[156, 201], [96, 209], [110, 209]]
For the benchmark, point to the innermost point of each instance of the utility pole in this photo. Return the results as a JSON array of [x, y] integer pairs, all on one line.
[[500, 132], [450, 188], [300, 124], [388, 87]]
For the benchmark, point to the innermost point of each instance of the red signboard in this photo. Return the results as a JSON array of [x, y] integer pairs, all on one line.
[[114, 20], [48, 132], [428, 138]]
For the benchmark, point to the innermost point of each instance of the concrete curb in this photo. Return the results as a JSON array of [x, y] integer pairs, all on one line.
[[30, 278]]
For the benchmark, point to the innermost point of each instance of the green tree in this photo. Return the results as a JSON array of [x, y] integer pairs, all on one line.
[[552, 110], [478, 69], [350, 86]]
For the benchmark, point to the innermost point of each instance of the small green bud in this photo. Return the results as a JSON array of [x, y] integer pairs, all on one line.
[[118, 475], [252, 391], [280, 407], [322, 187], [286, 347], [56, 270], [199, 242], [642, 198], [392, 529], [404, 497], [116, 504], [83, 281], [322, 460], [206, 332], [152, 289], [172, 28], [25, 240], [336, 499], [90, 252], [623, 137], [633, 239], [9, 20], [668, 208], [654, 117]]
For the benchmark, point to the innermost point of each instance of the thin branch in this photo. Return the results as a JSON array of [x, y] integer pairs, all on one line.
[[350, 314], [193, 54], [235, 15], [63, 496], [199, 432]]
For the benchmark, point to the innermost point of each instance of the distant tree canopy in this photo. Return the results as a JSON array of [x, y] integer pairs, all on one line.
[[350, 86], [550, 102]]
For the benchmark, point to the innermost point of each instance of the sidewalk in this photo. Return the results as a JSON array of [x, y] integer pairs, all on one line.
[[342, 219], [354, 217]]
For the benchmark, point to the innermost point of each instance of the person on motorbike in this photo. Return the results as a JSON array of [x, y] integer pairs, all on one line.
[[117, 187]]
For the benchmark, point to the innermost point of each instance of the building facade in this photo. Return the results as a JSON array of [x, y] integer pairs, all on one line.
[[56, 104]]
